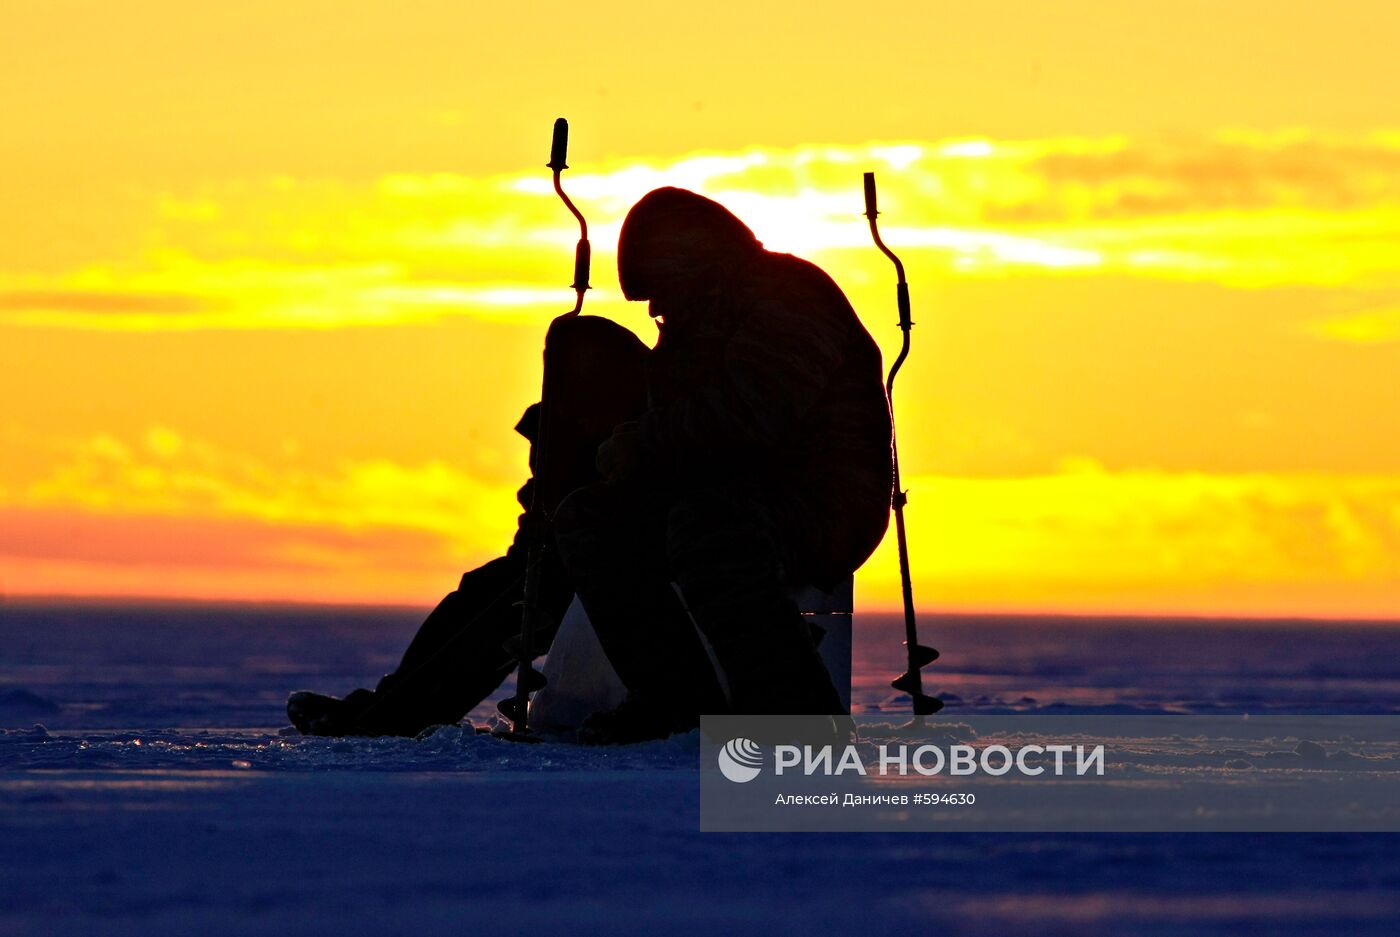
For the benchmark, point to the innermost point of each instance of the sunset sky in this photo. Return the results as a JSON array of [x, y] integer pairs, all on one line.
[[274, 278]]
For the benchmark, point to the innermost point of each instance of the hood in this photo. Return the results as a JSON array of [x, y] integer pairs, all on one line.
[[673, 235]]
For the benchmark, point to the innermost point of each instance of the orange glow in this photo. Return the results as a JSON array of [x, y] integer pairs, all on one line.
[[275, 276]]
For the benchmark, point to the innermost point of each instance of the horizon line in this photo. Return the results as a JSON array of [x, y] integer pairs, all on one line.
[[59, 600]]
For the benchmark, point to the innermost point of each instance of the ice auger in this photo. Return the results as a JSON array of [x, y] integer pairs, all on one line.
[[918, 655], [527, 679]]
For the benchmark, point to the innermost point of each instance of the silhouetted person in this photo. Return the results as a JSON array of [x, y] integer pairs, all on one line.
[[762, 464], [759, 462], [466, 647]]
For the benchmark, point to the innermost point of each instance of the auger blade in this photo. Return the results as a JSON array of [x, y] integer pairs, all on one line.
[[923, 655], [925, 705], [507, 708], [907, 682]]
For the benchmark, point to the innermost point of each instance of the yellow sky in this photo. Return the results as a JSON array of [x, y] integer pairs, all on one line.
[[273, 279]]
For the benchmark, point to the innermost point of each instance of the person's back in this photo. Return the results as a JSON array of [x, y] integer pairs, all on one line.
[[838, 458], [764, 374]]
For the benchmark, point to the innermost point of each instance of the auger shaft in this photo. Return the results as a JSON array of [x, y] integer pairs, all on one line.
[[918, 656]]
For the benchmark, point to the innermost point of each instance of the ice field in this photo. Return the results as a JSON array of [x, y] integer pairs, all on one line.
[[147, 787]]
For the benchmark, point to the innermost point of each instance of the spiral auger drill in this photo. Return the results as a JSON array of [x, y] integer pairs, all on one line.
[[918, 655], [527, 680]]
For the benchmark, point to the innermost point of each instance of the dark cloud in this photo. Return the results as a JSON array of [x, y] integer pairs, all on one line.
[[95, 301], [1149, 179], [81, 536]]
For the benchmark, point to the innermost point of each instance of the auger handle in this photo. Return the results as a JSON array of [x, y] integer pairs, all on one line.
[[583, 251], [559, 146]]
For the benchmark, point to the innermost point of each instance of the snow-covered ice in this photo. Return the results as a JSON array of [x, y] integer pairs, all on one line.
[[146, 788]]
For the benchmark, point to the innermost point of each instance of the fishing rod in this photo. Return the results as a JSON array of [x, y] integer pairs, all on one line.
[[918, 655], [527, 680]]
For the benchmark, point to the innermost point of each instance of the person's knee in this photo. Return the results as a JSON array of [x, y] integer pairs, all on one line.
[[584, 509], [711, 513], [491, 576], [586, 527], [718, 543]]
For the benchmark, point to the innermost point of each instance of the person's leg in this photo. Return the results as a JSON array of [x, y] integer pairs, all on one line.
[[735, 565], [595, 380], [612, 546], [457, 658]]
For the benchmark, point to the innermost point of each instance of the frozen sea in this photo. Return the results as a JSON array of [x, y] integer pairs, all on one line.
[[147, 787]]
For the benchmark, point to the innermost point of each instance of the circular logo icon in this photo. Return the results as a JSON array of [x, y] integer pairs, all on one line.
[[740, 760]]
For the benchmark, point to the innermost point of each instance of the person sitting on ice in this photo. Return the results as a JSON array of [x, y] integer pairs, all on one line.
[[760, 462]]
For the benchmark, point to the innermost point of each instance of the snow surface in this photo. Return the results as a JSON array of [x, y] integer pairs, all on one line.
[[160, 794]]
